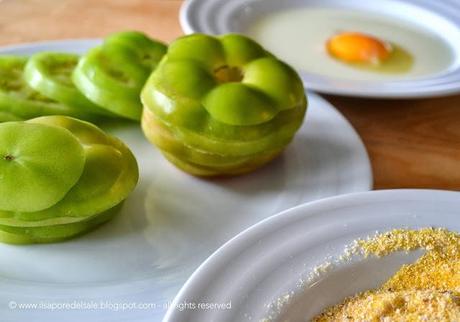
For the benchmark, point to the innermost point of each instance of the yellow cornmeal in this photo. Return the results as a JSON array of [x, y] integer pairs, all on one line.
[[427, 290], [405, 306]]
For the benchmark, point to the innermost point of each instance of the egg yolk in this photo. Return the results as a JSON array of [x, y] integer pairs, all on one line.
[[355, 47]]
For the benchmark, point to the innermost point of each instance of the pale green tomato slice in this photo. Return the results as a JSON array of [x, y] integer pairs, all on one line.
[[112, 85], [240, 50], [196, 128], [19, 99], [165, 139], [175, 107], [7, 117], [212, 171], [104, 164], [228, 149], [50, 74], [284, 86], [240, 105], [109, 176], [113, 74], [54, 233], [207, 51], [39, 164], [139, 47], [85, 132]]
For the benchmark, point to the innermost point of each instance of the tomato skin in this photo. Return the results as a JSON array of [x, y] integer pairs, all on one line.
[[113, 74]]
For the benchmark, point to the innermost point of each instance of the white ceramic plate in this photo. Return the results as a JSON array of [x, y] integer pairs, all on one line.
[[172, 222], [438, 17], [266, 262]]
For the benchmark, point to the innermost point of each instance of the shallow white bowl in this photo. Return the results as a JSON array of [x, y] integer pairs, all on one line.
[[439, 17], [263, 264]]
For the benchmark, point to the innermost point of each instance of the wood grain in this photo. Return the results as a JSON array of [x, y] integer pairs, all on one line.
[[411, 143], [34, 20]]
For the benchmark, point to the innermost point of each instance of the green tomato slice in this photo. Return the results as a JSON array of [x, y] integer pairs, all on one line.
[[225, 88], [165, 139], [54, 233], [239, 104], [50, 74], [240, 50], [212, 171], [190, 116], [199, 48], [85, 132], [221, 105], [146, 51], [110, 174], [8, 117], [39, 164], [276, 79], [279, 137], [19, 99], [108, 84], [103, 167], [113, 74]]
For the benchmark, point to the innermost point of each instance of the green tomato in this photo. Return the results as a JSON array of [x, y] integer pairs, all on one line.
[[169, 143], [190, 116], [34, 173], [113, 74], [157, 130], [107, 176], [19, 100], [214, 104], [224, 71], [50, 74]]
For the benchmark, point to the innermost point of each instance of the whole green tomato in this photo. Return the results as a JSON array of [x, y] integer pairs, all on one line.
[[221, 105]]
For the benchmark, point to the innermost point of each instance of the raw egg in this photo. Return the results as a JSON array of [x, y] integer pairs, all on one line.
[[368, 52], [356, 47]]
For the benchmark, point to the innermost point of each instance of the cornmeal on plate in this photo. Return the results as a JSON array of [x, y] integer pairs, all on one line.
[[427, 290]]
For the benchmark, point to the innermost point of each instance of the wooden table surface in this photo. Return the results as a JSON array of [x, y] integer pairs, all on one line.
[[411, 143]]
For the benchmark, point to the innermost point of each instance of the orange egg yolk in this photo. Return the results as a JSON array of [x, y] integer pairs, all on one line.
[[355, 47]]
